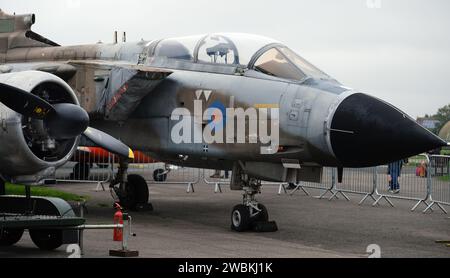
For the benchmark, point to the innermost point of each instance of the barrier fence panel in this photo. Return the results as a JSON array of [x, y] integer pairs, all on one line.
[[282, 186], [291, 188], [216, 178], [439, 172], [413, 182], [86, 166], [99, 166], [327, 184], [222, 177], [358, 181], [424, 179], [161, 173]]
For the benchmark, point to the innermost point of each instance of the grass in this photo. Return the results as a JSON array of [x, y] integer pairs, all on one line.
[[445, 178], [13, 189]]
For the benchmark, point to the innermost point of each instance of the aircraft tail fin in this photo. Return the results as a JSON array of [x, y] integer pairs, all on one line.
[[15, 23], [15, 31]]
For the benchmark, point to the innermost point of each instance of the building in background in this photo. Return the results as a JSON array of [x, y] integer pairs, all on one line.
[[428, 122], [444, 133]]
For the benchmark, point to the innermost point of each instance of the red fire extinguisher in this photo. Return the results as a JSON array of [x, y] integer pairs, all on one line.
[[118, 219]]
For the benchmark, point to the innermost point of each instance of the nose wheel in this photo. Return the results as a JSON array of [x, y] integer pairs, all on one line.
[[251, 215], [130, 190], [240, 218], [243, 220], [135, 194]]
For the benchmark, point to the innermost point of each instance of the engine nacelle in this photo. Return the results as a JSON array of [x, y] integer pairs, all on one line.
[[27, 153]]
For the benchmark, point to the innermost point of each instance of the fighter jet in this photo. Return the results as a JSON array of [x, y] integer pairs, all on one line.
[[227, 101]]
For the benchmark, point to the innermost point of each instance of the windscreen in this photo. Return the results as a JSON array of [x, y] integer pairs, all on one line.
[[282, 62], [306, 67], [274, 63]]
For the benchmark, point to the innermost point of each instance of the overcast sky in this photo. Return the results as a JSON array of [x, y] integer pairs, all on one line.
[[398, 50]]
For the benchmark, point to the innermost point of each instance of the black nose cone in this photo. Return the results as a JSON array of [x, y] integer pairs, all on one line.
[[366, 131]]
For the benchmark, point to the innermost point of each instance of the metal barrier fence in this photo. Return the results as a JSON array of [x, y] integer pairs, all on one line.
[[424, 179], [413, 187], [86, 167], [219, 178], [216, 178], [161, 173], [359, 181], [439, 175], [328, 184], [91, 166]]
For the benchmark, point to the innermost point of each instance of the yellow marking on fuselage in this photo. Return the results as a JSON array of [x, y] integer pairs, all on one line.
[[266, 105], [130, 154]]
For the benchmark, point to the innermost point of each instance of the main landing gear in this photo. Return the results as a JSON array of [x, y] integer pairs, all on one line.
[[251, 215], [131, 190]]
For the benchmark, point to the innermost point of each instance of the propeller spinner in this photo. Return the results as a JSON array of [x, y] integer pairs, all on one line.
[[62, 120]]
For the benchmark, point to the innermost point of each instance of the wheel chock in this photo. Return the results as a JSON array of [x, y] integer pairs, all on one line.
[[265, 226], [123, 253]]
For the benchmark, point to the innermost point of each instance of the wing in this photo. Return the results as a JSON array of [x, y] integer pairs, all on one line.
[[110, 90], [60, 69], [113, 90]]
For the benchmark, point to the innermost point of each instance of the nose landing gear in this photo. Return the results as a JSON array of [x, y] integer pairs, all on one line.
[[131, 190], [251, 215]]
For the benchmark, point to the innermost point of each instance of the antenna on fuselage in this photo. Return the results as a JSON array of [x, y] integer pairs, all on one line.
[[115, 37]]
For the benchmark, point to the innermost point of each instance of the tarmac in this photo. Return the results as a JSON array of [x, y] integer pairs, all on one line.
[[197, 224]]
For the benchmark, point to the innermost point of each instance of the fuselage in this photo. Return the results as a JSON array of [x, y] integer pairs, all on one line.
[[232, 71]]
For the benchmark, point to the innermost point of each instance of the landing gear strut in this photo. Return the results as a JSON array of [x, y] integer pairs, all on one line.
[[131, 190], [251, 215]]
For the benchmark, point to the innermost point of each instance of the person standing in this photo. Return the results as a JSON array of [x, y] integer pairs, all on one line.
[[394, 171], [421, 170]]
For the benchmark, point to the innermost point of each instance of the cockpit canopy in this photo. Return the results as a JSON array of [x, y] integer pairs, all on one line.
[[255, 52]]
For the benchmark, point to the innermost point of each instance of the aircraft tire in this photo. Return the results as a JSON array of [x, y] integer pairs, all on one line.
[[137, 192], [159, 176], [240, 218], [10, 237], [47, 239]]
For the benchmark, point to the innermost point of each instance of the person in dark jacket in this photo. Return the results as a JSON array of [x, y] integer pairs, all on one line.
[[394, 170]]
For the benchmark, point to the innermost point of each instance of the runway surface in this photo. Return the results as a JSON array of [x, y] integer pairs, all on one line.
[[198, 225]]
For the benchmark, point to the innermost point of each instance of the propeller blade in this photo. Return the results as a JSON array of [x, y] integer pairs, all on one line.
[[108, 142], [24, 103], [68, 121], [62, 120]]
